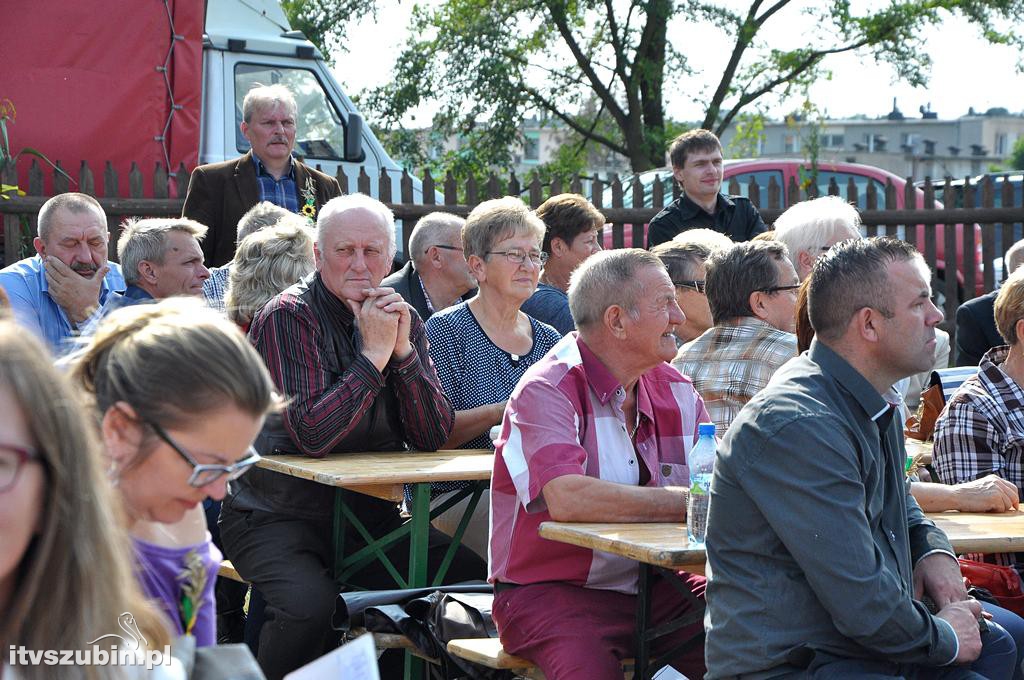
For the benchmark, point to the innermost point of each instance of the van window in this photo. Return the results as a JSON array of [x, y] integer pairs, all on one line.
[[860, 181], [319, 131]]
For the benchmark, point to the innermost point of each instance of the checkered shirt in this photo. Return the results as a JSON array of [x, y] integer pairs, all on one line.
[[215, 287], [981, 430], [281, 192], [565, 417], [731, 362]]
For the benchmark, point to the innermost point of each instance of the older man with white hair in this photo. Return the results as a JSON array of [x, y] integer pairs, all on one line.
[[437, 275], [599, 430], [352, 360], [810, 228], [220, 193]]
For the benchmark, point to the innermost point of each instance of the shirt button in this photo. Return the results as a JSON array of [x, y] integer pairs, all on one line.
[[630, 461]]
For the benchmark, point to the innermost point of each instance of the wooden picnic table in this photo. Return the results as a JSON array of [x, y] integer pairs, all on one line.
[[664, 546], [384, 475]]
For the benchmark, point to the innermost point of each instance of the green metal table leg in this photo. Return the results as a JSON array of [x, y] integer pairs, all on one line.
[[339, 534], [419, 537]]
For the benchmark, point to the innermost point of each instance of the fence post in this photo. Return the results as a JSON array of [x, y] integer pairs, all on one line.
[[12, 224], [428, 188], [514, 189], [471, 190], [638, 202], [363, 181], [618, 238], [949, 258], [159, 181], [929, 230], [536, 190], [451, 192], [988, 240], [657, 193], [774, 194], [110, 190], [754, 192], [493, 186]]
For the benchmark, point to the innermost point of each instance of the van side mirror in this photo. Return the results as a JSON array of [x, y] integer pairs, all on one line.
[[354, 139]]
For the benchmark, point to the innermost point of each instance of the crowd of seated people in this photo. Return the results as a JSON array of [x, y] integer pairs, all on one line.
[[302, 347]]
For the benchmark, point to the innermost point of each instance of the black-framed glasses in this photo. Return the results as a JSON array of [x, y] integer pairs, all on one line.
[[776, 289], [699, 286], [458, 248], [518, 255], [12, 460], [205, 474]]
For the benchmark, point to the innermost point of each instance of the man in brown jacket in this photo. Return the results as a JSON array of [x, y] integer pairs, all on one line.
[[220, 193]]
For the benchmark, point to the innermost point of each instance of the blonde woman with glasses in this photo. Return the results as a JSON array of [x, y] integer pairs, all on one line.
[[180, 395], [65, 565]]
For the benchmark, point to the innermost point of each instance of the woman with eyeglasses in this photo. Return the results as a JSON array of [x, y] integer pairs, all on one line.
[[180, 395], [65, 566], [482, 347]]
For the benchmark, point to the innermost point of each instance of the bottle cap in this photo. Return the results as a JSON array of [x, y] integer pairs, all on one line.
[[706, 429]]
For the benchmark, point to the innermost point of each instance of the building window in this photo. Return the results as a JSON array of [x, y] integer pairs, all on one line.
[[832, 141], [1000, 145], [531, 147], [790, 144]]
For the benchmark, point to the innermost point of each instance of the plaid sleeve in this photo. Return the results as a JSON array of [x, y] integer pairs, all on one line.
[[967, 442]]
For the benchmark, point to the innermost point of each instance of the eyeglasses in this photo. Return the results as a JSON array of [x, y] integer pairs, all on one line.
[[518, 255], [699, 286], [458, 248], [12, 459], [776, 289], [206, 474]]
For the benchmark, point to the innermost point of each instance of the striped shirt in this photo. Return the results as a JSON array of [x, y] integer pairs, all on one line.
[[981, 430], [323, 409], [565, 418], [731, 362], [281, 192]]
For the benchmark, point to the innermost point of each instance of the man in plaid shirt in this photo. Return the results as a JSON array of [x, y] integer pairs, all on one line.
[[751, 290]]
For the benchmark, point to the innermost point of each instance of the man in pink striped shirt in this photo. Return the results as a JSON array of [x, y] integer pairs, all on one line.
[[597, 431]]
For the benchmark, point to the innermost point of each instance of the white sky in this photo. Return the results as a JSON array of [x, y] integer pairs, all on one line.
[[966, 70]]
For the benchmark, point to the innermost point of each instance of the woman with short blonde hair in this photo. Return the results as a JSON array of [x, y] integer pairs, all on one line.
[[266, 263]]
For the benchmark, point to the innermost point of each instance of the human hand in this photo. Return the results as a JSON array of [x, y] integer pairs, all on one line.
[[988, 494], [77, 295], [378, 329], [963, 617], [390, 301], [938, 577]]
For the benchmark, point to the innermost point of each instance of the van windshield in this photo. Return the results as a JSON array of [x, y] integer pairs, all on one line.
[[319, 131]]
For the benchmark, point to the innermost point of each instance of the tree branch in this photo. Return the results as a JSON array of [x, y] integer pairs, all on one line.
[[584, 63], [548, 105]]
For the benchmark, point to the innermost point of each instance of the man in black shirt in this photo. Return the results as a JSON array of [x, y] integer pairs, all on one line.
[[697, 165]]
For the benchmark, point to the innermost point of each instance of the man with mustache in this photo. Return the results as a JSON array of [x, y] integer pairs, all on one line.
[[59, 290], [220, 193]]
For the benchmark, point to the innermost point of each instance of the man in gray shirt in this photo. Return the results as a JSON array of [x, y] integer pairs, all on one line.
[[818, 556]]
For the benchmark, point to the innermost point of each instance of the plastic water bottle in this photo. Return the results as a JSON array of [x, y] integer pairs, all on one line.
[[702, 464]]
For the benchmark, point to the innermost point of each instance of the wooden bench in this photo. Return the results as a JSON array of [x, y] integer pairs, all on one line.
[[488, 652], [227, 570]]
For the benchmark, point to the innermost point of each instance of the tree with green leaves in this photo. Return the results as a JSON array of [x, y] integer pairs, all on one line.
[[1016, 159], [601, 68]]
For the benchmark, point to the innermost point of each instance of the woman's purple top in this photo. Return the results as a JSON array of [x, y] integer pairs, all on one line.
[[181, 580]]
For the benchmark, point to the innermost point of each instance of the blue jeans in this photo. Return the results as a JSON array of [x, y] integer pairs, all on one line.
[[1014, 626]]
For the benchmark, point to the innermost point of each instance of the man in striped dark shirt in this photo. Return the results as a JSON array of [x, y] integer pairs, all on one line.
[[352, 359]]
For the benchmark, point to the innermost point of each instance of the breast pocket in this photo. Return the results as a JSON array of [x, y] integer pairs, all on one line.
[[674, 474]]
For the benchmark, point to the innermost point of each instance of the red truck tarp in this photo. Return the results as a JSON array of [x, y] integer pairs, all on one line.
[[102, 81]]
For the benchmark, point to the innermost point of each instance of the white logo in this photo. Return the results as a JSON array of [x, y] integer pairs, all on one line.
[[122, 650], [135, 638]]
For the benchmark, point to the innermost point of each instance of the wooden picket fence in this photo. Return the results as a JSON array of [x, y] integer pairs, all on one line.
[[962, 281]]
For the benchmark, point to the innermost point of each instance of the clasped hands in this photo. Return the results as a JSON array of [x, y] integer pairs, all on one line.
[[384, 320], [938, 576]]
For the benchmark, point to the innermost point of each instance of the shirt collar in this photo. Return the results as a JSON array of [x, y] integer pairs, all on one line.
[[261, 169], [335, 305], [606, 386], [850, 380], [690, 209]]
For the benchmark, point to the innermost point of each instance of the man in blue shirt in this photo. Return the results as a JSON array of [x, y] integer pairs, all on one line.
[[61, 288]]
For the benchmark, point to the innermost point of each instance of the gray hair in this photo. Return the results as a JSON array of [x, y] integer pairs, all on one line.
[[808, 226], [145, 240], [266, 263], [262, 215], [335, 209], [260, 97], [851, 276], [72, 202], [1014, 257], [734, 274], [608, 278], [429, 230], [709, 238], [496, 220]]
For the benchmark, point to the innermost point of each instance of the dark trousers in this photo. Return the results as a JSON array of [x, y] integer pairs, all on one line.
[[290, 561]]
